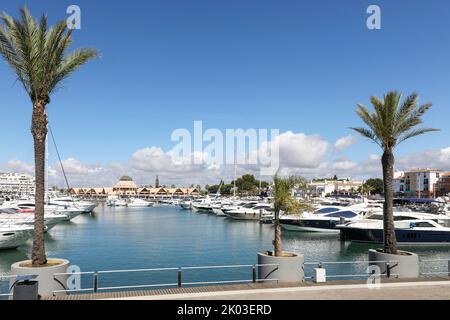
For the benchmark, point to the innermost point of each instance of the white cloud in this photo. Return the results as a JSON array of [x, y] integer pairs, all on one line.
[[345, 142], [345, 165], [297, 150], [307, 155], [15, 165]]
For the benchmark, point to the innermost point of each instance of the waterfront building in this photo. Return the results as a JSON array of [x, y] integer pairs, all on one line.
[[421, 182], [399, 182], [322, 188], [16, 183], [127, 187], [443, 185]]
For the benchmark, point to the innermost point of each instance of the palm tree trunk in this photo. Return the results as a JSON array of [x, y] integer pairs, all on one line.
[[277, 242], [39, 131], [390, 241]]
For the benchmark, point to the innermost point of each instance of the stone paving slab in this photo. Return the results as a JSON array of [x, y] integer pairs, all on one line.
[[422, 288]]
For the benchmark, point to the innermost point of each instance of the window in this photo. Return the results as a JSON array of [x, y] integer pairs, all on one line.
[[342, 214], [422, 225], [327, 210]]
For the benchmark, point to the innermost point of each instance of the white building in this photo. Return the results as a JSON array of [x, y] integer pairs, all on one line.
[[399, 182], [15, 183], [422, 182], [327, 187]]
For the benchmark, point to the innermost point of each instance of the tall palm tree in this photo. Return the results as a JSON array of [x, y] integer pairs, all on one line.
[[284, 201], [38, 56], [390, 124]]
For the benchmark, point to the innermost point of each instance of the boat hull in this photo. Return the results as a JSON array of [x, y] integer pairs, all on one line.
[[404, 236], [311, 225], [246, 215], [14, 239]]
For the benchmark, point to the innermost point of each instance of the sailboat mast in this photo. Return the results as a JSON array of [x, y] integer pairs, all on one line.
[[234, 180], [46, 166]]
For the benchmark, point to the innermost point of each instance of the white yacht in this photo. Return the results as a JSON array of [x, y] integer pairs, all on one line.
[[186, 204], [11, 216], [85, 206], [13, 236], [114, 201], [251, 211], [139, 203], [411, 228]]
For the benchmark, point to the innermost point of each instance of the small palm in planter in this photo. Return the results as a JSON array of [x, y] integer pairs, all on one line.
[[392, 123], [39, 58], [277, 264]]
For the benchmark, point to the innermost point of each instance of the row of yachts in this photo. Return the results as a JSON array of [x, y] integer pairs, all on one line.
[[17, 217], [356, 222]]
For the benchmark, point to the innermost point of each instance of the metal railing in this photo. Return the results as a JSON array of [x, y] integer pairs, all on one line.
[[388, 267], [180, 275], [2, 279], [437, 273], [96, 276]]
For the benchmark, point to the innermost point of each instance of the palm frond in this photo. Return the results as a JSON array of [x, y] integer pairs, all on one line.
[[37, 55], [414, 133], [72, 63], [369, 134]]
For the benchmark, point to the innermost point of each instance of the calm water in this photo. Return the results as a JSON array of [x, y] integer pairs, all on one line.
[[125, 238]]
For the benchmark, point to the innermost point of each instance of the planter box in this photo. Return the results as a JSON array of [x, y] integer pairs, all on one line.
[[289, 268], [47, 282], [402, 265]]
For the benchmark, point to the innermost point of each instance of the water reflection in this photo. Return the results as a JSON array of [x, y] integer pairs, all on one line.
[[124, 238]]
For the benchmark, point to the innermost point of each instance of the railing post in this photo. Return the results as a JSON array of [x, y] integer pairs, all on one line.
[[95, 282], [388, 270], [180, 283], [448, 267], [254, 274]]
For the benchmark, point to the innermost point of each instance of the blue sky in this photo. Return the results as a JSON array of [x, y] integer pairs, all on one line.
[[297, 66]]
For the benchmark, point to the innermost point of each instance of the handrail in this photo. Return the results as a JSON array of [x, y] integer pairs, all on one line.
[[179, 270]]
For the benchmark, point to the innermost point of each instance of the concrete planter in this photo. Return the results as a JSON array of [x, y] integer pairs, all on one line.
[[47, 282], [402, 265], [290, 267]]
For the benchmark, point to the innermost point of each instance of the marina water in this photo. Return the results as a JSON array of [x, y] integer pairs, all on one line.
[[166, 236]]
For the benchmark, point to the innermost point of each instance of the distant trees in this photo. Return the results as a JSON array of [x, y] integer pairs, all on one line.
[[247, 184], [376, 185]]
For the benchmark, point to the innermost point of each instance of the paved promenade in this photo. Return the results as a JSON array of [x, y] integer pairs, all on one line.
[[436, 288]]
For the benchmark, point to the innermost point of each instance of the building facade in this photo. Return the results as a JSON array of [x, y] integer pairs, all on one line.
[[328, 187], [443, 185], [127, 187], [421, 183], [16, 183]]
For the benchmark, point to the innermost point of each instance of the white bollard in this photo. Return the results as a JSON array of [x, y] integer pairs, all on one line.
[[320, 275]]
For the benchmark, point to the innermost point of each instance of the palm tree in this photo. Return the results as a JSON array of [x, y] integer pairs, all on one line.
[[390, 124], [366, 189], [284, 201], [38, 56]]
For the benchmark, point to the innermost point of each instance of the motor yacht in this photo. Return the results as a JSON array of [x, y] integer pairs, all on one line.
[[15, 235], [85, 206], [411, 228], [251, 211], [138, 203]]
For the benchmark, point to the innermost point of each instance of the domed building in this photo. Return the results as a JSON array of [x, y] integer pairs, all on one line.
[[125, 186]]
